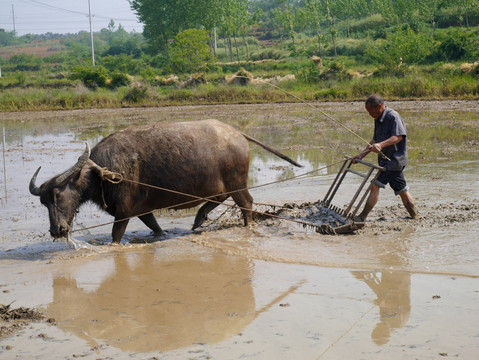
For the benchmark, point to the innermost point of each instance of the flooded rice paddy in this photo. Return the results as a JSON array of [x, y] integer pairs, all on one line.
[[276, 289]]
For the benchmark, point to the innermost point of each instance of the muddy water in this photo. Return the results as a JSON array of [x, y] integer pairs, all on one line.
[[398, 288]]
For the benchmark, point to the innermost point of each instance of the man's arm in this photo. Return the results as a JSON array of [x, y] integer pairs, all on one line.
[[366, 151], [377, 147]]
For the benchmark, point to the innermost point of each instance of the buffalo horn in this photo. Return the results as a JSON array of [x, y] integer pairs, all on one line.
[[60, 179], [34, 190]]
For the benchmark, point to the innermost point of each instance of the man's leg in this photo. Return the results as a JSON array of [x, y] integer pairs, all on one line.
[[398, 183], [408, 202], [370, 203]]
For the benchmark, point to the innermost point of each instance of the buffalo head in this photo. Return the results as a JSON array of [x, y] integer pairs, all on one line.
[[62, 195]]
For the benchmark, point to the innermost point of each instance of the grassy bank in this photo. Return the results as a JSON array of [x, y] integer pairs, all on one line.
[[398, 62], [414, 85]]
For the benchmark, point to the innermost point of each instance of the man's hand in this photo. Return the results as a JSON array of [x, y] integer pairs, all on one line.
[[376, 148], [358, 157], [366, 151]]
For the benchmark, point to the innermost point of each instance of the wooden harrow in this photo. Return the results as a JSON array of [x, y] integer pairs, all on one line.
[[345, 216]]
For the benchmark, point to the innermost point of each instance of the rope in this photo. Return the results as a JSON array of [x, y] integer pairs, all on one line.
[[320, 111], [347, 332], [116, 178]]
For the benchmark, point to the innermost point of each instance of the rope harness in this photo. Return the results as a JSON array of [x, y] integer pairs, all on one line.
[[329, 117], [110, 176], [117, 178]]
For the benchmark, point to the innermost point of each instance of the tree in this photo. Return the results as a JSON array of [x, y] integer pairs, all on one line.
[[163, 19], [458, 43], [400, 49], [7, 37], [246, 20], [190, 51], [284, 18], [469, 7], [122, 42], [233, 19], [332, 30], [312, 14], [429, 11], [348, 10]]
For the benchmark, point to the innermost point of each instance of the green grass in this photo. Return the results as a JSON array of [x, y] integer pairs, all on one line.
[[76, 96], [339, 79]]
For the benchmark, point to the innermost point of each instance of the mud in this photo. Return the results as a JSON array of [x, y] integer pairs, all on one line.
[[398, 288], [12, 320]]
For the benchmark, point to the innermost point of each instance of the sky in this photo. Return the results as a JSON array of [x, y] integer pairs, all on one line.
[[65, 16]]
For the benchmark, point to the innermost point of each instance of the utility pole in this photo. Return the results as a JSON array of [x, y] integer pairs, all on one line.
[[13, 17], [91, 36]]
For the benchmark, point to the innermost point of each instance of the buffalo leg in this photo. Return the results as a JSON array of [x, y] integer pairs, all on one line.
[[245, 201], [202, 214], [119, 230], [150, 221]]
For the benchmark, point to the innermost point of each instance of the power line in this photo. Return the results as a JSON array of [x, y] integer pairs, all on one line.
[[29, 23], [40, 4], [56, 8]]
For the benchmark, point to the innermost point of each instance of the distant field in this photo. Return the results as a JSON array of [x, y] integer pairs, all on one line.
[[42, 49]]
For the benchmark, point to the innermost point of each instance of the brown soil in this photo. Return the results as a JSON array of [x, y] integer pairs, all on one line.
[[386, 219], [13, 320]]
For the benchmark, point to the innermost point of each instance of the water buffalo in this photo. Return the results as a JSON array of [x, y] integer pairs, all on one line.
[[200, 158]]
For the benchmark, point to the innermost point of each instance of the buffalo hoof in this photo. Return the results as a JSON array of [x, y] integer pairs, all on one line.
[[199, 220], [159, 232]]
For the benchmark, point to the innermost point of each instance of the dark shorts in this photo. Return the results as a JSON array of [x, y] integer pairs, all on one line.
[[395, 179]]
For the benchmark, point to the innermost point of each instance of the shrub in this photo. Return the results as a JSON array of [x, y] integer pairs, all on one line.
[[20, 77], [456, 44], [137, 93], [190, 51], [148, 74], [122, 63], [91, 76], [309, 73], [453, 46], [335, 71], [119, 79], [400, 49]]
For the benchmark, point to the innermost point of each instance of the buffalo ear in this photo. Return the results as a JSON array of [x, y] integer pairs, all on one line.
[[87, 169], [94, 166]]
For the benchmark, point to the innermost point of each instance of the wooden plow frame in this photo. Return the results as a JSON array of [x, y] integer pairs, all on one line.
[[347, 214]]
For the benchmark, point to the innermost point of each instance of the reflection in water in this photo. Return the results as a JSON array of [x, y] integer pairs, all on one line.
[[393, 290], [148, 304]]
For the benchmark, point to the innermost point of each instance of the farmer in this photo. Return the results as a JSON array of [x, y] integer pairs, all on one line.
[[390, 139]]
